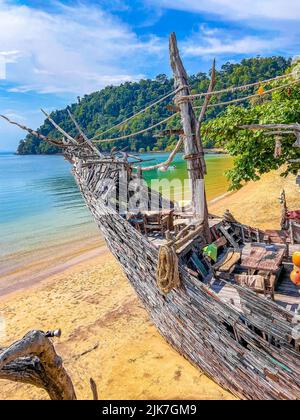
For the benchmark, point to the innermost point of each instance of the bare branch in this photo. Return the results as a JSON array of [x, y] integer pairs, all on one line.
[[94, 389], [34, 133], [61, 130], [33, 360], [167, 162], [84, 136]]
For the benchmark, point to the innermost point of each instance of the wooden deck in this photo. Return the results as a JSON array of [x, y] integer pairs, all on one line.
[[286, 295]]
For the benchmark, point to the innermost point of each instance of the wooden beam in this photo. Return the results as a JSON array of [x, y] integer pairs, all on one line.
[[278, 133], [189, 124], [35, 133], [169, 132], [167, 162], [294, 127], [61, 130], [211, 87], [84, 136]]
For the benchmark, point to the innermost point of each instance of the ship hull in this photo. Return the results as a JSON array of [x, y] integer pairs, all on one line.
[[212, 334]]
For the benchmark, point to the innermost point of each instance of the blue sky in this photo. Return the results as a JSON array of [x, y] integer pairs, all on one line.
[[51, 52]]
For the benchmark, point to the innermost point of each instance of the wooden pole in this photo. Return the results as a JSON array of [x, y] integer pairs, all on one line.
[[202, 115], [284, 210], [281, 127], [189, 124]]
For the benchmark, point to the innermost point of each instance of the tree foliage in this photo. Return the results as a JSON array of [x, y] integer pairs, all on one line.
[[254, 150], [101, 110]]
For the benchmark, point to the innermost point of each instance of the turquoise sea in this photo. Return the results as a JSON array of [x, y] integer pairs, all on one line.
[[41, 208]]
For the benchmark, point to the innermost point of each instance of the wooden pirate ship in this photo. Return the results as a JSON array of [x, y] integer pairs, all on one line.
[[218, 291]]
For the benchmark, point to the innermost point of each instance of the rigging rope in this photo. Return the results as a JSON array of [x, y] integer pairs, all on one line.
[[191, 97], [245, 98], [127, 136], [197, 107], [138, 113], [235, 89], [110, 140]]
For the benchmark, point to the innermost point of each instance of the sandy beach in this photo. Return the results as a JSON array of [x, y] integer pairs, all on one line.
[[107, 334]]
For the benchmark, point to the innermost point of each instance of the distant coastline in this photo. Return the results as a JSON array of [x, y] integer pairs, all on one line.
[[213, 151]]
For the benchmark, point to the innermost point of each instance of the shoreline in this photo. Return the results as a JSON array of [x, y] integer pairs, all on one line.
[[32, 280], [35, 272], [213, 151], [106, 335], [95, 246], [106, 332]]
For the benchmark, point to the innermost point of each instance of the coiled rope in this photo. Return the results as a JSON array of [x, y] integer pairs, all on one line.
[[167, 269]]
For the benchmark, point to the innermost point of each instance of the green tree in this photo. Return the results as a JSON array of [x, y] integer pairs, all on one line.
[[253, 150], [102, 110]]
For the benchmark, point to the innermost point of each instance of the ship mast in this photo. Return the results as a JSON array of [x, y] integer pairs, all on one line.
[[193, 147]]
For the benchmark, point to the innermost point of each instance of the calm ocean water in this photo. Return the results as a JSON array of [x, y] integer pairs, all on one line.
[[40, 205]]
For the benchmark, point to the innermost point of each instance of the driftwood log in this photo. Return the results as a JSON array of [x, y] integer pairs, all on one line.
[[33, 360]]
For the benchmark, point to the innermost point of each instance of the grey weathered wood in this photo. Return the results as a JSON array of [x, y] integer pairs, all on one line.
[[33, 360], [189, 124], [84, 136], [202, 114], [247, 347], [61, 130], [192, 318], [295, 127], [35, 133], [167, 162]]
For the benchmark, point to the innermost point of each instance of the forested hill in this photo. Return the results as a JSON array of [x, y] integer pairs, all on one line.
[[101, 110]]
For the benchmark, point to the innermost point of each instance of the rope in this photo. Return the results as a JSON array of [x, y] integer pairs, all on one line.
[[197, 107], [236, 88], [250, 96], [167, 162], [139, 112], [167, 269], [127, 136]]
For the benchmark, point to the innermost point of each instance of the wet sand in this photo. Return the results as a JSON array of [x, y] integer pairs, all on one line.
[[107, 334]]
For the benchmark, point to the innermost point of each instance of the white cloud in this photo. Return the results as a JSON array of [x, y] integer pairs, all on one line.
[[253, 26], [243, 9], [208, 42], [77, 50]]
